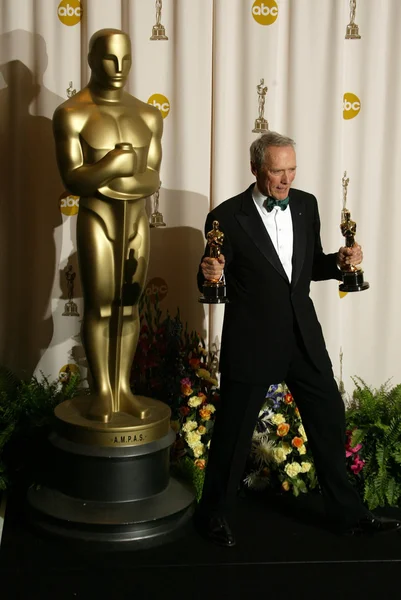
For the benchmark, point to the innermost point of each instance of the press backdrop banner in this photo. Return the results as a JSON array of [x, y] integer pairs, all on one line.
[[331, 80]]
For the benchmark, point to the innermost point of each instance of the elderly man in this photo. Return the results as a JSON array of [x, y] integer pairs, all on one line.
[[271, 252]]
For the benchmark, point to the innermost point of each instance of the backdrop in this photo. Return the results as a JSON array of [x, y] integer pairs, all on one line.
[[337, 97]]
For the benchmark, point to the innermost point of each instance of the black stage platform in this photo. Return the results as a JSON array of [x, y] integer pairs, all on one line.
[[282, 549]]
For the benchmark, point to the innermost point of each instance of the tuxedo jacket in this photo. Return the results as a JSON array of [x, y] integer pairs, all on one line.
[[265, 308]]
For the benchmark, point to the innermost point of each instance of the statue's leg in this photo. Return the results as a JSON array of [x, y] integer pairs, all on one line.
[[96, 262], [138, 254]]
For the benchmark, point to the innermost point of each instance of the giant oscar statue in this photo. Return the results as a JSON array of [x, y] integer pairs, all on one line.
[[113, 445]]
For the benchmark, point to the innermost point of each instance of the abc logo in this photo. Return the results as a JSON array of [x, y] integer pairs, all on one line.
[[66, 371], [69, 205], [351, 105], [69, 12], [156, 288], [161, 102], [265, 13]]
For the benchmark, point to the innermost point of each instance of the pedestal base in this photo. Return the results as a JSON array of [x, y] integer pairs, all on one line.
[[353, 281], [261, 126], [214, 294], [105, 494], [158, 33], [352, 32]]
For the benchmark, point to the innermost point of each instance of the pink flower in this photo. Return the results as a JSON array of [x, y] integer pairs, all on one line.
[[185, 381], [350, 451], [357, 465]]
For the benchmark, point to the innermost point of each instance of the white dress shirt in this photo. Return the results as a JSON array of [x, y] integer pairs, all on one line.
[[278, 225]]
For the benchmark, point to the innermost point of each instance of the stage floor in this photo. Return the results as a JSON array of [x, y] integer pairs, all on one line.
[[282, 548]]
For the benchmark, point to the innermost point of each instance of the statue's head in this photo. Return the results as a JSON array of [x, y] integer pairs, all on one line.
[[110, 58]]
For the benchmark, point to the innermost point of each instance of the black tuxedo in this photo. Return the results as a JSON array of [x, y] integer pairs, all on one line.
[[271, 333]]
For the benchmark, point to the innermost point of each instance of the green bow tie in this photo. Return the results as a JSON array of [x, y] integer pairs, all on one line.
[[271, 202]]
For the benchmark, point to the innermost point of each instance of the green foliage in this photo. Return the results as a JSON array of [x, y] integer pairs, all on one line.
[[25, 408], [186, 469], [374, 417]]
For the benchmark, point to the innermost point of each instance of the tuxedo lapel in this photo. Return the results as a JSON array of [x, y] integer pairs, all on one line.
[[249, 219], [298, 216]]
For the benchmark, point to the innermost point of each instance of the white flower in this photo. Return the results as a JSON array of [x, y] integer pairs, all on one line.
[[278, 419], [255, 481], [198, 450], [302, 450], [263, 451], [305, 467], [189, 426], [194, 401], [193, 439], [292, 469], [302, 433]]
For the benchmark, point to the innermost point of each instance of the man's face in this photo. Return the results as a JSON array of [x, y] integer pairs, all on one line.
[[278, 172], [110, 61]]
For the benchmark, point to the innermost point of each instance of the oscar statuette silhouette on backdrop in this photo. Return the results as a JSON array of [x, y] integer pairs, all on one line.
[[108, 146]]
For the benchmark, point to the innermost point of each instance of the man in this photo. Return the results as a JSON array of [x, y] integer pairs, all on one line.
[[271, 252], [108, 147]]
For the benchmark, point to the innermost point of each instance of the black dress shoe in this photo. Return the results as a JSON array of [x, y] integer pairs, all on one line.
[[215, 529], [370, 525]]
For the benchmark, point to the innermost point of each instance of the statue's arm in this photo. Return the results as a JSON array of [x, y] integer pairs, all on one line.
[[150, 177], [80, 178]]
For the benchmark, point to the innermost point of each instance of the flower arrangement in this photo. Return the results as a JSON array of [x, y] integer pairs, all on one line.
[[173, 365], [280, 457]]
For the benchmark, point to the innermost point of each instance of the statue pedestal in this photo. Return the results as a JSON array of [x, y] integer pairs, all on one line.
[[101, 493]]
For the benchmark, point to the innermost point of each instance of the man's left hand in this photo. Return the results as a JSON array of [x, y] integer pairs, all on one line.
[[350, 256]]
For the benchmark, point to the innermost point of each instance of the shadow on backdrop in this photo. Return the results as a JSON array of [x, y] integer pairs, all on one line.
[[31, 187]]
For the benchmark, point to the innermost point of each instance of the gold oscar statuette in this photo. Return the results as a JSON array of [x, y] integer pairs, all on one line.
[[352, 31], [352, 276], [156, 218], [108, 146], [158, 30], [261, 125], [108, 474], [70, 308], [214, 291]]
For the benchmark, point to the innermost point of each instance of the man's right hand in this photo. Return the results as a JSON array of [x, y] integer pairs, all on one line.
[[123, 161], [212, 268]]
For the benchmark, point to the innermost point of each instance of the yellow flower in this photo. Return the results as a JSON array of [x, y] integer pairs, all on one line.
[[286, 447], [302, 450], [189, 426], [302, 433], [203, 374], [285, 485], [194, 401], [278, 419], [201, 430], [198, 450], [279, 455], [193, 439], [292, 469], [210, 407], [305, 467]]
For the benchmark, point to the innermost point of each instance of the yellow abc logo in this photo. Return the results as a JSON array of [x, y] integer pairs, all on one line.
[[156, 288], [69, 12], [69, 204], [266, 12], [161, 102], [66, 371], [351, 105]]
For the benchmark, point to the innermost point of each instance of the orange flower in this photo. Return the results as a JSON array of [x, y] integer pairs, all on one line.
[[202, 396], [283, 429], [288, 399], [205, 413], [184, 410], [200, 463], [297, 413], [297, 442], [285, 486], [265, 472], [186, 389], [194, 363]]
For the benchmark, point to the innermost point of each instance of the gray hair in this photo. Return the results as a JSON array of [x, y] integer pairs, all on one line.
[[259, 146]]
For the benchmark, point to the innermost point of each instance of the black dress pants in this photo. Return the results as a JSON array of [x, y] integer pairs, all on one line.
[[323, 415]]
